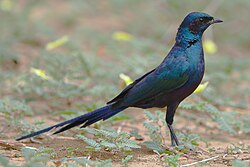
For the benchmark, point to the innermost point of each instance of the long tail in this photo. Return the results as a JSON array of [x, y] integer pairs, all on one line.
[[88, 119]]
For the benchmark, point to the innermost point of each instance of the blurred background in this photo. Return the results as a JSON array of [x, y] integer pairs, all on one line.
[[83, 46], [64, 58]]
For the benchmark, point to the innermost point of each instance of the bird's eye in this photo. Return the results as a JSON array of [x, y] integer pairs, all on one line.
[[201, 20]]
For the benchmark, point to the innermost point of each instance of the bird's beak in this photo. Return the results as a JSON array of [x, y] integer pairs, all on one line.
[[216, 21]]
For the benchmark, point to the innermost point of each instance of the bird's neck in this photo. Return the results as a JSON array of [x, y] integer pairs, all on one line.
[[185, 38]]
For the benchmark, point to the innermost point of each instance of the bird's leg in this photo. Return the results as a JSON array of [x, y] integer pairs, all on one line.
[[174, 139], [169, 120]]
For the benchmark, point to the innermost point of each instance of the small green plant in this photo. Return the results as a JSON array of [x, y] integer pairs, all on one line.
[[5, 162], [36, 157], [71, 151], [109, 140], [126, 160], [225, 120], [240, 163], [158, 132], [12, 108], [135, 134], [189, 141], [171, 160]]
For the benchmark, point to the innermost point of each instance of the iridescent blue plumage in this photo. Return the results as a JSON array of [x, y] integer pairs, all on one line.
[[167, 85]]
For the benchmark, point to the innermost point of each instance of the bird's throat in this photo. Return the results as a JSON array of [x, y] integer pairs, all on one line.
[[193, 42], [186, 39]]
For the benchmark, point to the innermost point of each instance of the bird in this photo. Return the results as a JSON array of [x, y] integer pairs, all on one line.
[[178, 75]]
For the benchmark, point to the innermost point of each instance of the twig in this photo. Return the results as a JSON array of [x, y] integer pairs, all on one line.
[[87, 165], [203, 150], [204, 160], [35, 141]]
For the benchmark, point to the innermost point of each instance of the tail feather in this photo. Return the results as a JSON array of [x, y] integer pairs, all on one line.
[[88, 119]]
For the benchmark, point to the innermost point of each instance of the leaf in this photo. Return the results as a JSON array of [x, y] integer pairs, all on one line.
[[150, 116], [33, 157], [211, 109], [240, 163], [135, 134], [245, 124], [248, 148], [89, 141], [153, 146], [122, 36], [57, 43], [129, 143], [91, 130], [5, 162], [108, 144], [46, 150], [201, 88], [126, 79], [224, 125], [172, 160], [9, 106], [161, 116], [124, 135], [40, 73], [154, 132], [106, 133], [150, 127], [126, 159]]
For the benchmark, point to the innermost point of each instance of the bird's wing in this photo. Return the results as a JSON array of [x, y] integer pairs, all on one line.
[[170, 75], [125, 90]]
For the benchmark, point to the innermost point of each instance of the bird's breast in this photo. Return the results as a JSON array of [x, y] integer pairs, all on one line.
[[195, 73]]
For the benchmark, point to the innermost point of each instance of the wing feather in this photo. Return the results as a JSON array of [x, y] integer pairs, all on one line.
[[164, 79], [125, 91], [171, 74]]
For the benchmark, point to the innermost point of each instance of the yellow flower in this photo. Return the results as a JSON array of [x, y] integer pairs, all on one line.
[[6, 5], [210, 47], [122, 36], [41, 73], [126, 79], [201, 87], [57, 43]]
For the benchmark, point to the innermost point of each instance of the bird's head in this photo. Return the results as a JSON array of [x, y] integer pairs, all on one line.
[[195, 23]]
